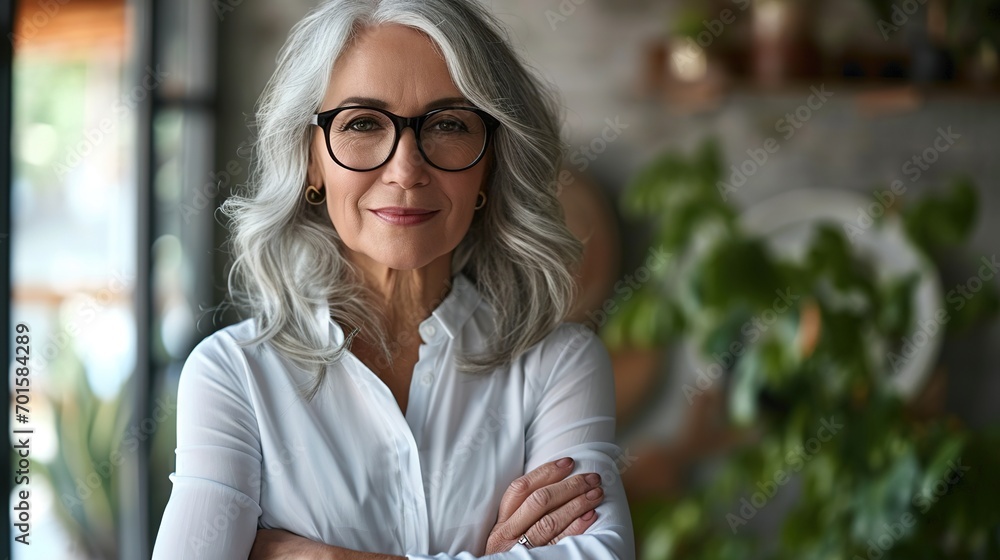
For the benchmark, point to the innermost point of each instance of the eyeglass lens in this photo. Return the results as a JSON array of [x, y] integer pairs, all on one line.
[[363, 138]]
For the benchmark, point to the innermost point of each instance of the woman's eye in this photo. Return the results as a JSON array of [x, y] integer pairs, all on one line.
[[449, 126], [362, 125]]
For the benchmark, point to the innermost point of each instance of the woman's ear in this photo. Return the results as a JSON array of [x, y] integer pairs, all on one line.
[[314, 169]]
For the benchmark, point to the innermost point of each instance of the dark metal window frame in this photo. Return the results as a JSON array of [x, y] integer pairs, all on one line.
[[7, 12]]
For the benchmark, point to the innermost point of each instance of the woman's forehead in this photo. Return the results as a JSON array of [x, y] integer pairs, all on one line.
[[396, 64]]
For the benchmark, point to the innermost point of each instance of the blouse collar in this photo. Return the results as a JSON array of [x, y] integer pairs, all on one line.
[[447, 319]]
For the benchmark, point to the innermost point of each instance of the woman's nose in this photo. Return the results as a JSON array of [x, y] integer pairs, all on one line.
[[406, 167]]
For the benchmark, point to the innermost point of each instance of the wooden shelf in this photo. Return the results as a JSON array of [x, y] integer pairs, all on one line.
[[873, 98]]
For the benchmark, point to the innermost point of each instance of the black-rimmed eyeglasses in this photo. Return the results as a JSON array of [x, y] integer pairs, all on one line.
[[365, 138]]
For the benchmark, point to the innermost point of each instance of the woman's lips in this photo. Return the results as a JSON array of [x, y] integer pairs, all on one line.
[[398, 218]]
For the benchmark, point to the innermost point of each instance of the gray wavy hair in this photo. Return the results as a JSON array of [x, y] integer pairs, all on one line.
[[518, 251]]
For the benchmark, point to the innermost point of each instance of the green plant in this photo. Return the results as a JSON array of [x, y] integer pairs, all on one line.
[[96, 437], [876, 481], [84, 479]]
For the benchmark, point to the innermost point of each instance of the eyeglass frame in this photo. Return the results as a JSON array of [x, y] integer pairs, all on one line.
[[325, 119]]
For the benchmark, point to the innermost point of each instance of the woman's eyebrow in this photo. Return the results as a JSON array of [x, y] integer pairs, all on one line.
[[380, 104], [448, 101], [369, 101]]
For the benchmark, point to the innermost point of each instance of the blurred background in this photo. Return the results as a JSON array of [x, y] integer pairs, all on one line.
[[790, 213]]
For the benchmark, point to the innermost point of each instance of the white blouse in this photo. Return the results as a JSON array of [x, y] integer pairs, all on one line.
[[349, 469]]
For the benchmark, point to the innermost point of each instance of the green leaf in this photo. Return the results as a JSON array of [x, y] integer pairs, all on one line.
[[940, 221], [941, 464], [745, 388], [830, 256], [968, 312], [896, 308], [739, 272]]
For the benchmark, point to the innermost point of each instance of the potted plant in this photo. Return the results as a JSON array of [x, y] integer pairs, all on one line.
[[847, 465]]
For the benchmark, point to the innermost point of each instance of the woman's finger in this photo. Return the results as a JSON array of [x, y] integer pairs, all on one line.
[[577, 527], [554, 523], [539, 509], [522, 487]]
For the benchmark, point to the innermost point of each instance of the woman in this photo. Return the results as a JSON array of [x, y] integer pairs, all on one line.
[[407, 385]]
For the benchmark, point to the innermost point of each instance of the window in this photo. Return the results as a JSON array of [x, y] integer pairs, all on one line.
[[112, 135]]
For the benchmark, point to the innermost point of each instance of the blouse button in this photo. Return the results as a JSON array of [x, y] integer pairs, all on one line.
[[429, 331], [426, 379]]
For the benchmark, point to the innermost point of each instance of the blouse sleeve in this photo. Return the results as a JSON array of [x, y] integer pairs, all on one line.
[[575, 417], [213, 507]]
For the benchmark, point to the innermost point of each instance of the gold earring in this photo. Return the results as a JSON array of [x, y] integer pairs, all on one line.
[[315, 196], [483, 203]]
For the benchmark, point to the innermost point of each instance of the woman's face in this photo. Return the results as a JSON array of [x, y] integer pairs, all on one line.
[[399, 69]]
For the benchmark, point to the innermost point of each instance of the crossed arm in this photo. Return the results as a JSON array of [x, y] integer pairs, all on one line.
[[574, 418], [546, 491]]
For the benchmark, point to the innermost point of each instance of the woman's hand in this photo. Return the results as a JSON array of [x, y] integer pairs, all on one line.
[[546, 508], [275, 544]]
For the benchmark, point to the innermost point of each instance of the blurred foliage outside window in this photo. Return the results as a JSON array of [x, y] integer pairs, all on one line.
[[74, 267]]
